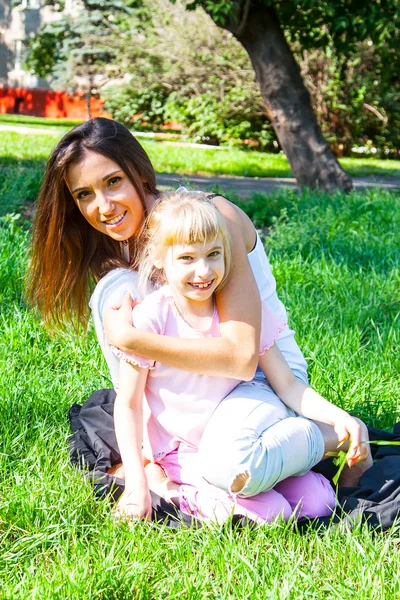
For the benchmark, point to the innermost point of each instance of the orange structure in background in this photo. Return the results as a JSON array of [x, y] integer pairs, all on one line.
[[48, 103]]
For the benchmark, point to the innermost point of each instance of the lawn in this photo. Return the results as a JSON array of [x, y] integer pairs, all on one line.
[[336, 264], [169, 157]]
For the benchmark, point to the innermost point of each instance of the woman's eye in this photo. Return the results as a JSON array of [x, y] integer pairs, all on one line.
[[114, 181], [83, 195], [186, 258], [214, 254]]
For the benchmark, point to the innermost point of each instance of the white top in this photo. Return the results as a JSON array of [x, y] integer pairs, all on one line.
[[267, 287]]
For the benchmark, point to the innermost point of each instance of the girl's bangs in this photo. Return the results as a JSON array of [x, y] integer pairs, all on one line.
[[190, 227]]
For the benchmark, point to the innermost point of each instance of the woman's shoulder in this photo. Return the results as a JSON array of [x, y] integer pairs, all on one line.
[[239, 224], [111, 289]]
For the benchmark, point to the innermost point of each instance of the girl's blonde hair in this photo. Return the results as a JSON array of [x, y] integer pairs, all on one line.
[[179, 217]]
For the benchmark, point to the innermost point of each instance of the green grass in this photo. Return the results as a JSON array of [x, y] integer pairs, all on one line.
[[336, 264], [37, 121], [169, 158]]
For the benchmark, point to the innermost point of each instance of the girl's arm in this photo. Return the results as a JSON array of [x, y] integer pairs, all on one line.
[[128, 421], [307, 402], [235, 353]]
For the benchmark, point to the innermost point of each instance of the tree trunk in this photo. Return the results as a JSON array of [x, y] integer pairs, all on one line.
[[89, 97], [89, 103], [287, 100]]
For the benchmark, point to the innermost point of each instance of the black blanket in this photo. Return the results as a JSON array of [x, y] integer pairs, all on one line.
[[93, 447]]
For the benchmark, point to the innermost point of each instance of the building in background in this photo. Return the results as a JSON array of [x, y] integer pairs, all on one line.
[[22, 92], [18, 23]]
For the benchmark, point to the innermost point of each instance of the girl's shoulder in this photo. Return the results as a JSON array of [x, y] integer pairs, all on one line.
[[159, 296]]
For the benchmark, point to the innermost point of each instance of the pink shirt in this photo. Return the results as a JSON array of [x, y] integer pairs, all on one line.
[[179, 403]]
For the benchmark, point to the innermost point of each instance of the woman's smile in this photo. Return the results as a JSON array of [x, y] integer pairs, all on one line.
[[116, 221]]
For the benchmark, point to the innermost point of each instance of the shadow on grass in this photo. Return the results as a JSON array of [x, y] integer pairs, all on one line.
[[20, 182]]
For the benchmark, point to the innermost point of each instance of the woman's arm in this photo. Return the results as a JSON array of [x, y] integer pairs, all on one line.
[[307, 402], [128, 421], [235, 353]]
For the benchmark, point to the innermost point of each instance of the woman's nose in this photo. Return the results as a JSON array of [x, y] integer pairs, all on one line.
[[105, 203]]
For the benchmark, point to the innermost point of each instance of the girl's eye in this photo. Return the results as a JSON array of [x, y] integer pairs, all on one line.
[[214, 254], [83, 195], [114, 181], [185, 258]]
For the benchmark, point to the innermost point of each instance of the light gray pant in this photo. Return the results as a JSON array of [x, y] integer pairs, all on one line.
[[251, 429]]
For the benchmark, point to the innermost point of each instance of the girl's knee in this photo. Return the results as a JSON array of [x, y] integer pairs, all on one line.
[[310, 495], [266, 507]]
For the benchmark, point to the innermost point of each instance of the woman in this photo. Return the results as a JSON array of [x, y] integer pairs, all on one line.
[[99, 185]]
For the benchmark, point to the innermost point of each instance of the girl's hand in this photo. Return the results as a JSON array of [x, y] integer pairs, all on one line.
[[351, 428], [135, 504], [117, 320]]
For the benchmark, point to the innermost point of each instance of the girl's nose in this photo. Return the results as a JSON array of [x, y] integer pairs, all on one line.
[[202, 269]]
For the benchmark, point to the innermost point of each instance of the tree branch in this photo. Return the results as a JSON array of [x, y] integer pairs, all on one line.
[[376, 112]]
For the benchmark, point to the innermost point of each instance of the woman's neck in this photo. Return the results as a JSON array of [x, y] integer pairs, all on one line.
[[149, 201]]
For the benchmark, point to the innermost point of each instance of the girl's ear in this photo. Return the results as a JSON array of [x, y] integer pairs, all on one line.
[[155, 258]]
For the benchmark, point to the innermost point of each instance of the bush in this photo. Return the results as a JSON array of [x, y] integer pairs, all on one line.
[[143, 108], [227, 120]]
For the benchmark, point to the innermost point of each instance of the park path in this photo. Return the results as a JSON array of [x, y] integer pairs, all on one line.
[[242, 186]]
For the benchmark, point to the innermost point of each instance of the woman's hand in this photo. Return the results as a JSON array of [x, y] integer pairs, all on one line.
[[348, 427], [117, 320], [134, 504]]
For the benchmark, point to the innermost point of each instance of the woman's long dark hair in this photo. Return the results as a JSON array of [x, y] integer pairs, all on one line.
[[66, 250]]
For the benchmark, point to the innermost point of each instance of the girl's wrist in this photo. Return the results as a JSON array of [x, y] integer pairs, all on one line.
[[136, 487]]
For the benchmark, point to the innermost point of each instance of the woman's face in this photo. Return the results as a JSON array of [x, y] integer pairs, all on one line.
[[105, 196]]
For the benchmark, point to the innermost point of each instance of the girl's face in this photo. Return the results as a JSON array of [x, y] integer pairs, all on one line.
[[195, 270], [105, 196]]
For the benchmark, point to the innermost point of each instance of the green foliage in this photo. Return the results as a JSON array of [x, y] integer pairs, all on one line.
[[44, 52], [314, 24], [356, 98], [228, 120], [80, 49], [143, 108], [187, 69]]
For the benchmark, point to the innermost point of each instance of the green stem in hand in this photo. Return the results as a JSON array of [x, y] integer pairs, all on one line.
[[340, 458]]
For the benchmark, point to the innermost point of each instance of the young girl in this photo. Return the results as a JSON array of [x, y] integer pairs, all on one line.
[[186, 247]]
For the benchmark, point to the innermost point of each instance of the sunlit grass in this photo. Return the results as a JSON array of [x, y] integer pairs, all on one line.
[[16, 148], [336, 264]]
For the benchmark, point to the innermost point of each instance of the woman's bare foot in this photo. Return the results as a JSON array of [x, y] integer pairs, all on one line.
[[117, 470], [159, 482], [350, 476]]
